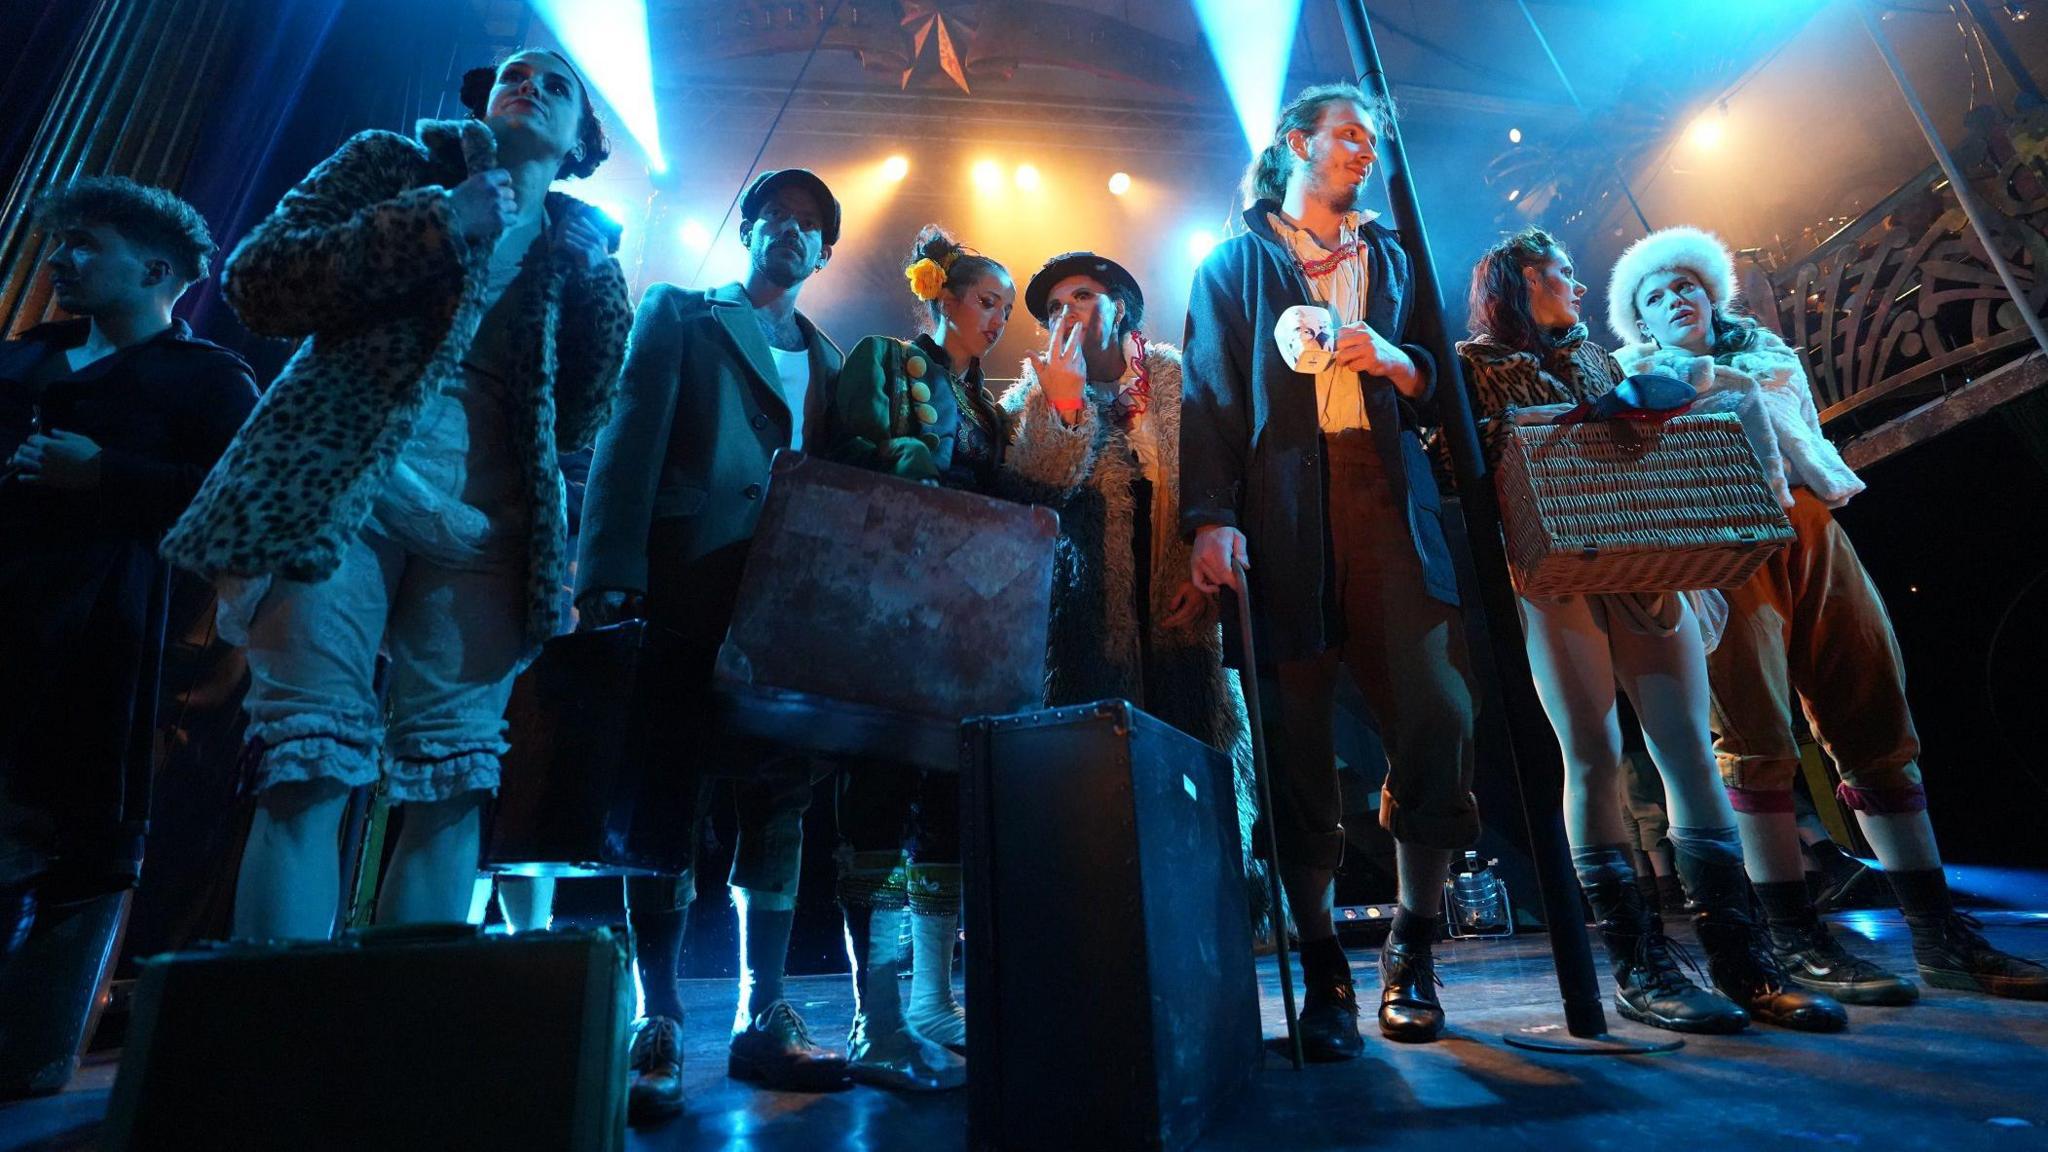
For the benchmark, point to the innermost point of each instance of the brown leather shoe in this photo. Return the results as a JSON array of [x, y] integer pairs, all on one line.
[[1409, 1010], [775, 1051], [656, 1061]]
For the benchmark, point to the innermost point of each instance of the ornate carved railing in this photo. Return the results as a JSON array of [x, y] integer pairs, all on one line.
[[1902, 302]]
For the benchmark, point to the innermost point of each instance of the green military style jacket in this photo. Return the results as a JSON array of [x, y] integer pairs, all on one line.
[[902, 408]]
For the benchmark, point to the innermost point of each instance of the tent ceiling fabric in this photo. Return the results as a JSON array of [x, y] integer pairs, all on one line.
[[1145, 51]]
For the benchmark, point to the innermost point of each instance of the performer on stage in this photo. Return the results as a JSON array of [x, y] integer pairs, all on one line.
[[716, 382], [1529, 361], [1808, 626], [397, 487], [1096, 434], [108, 422], [1309, 473], [918, 409]]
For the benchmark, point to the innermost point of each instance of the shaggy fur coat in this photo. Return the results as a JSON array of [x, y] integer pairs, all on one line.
[[363, 263], [1786, 432], [1085, 472]]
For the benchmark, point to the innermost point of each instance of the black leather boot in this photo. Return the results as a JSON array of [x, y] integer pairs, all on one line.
[[1739, 959], [1329, 1004], [1651, 986]]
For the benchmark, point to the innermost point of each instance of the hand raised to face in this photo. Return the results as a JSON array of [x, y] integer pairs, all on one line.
[[1062, 370]]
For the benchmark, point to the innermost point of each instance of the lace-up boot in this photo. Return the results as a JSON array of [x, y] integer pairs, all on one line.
[[1951, 952], [1650, 985]]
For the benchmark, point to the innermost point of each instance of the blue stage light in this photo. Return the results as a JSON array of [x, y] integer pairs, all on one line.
[[1251, 40], [611, 209], [607, 40], [2021, 888]]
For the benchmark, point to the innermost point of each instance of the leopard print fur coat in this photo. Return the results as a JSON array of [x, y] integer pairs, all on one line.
[[362, 263], [1086, 473]]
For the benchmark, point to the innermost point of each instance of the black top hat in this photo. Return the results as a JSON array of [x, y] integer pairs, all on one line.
[[1107, 272], [766, 183]]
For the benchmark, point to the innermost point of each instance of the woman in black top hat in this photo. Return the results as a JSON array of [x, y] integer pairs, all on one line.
[[1095, 433]]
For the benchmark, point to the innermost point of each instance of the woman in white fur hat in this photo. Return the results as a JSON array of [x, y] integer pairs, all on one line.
[[1529, 361], [1809, 623]]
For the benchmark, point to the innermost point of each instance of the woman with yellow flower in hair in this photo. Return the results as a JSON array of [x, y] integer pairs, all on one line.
[[916, 409]]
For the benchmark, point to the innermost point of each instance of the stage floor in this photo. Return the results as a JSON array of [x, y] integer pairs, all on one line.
[[1956, 1072]]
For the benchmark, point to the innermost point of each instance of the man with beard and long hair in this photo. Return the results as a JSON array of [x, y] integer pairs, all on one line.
[[715, 382], [1310, 471]]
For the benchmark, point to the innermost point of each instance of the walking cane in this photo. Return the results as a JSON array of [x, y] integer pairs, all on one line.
[[1248, 677]]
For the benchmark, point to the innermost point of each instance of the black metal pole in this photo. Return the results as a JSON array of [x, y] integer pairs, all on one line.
[[2030, 93], [1556, 66], [1538, 767]]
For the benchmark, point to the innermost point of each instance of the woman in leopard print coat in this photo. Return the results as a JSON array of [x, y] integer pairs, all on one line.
[[1529, 361], [397, 487]]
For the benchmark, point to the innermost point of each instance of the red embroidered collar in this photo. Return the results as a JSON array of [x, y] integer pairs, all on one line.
[[1316, 269]]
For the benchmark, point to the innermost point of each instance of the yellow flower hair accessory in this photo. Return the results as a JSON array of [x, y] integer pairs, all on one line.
[[926, 278]]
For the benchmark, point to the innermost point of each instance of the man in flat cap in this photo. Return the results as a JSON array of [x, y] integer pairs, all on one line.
[[715, 382]]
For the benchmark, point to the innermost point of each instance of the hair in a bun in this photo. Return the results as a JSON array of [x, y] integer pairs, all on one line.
[[939, 263]]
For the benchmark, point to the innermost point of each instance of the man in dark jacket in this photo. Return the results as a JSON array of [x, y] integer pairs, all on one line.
[[108, 422], [715, 382], [1316, 478]]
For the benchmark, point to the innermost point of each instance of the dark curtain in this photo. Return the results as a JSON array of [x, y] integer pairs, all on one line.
[[40, 38], [311, 74]]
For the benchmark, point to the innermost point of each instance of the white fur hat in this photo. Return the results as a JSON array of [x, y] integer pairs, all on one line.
[[1698, 252]]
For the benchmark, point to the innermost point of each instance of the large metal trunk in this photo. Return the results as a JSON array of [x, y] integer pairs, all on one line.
[[875, 614], [1111, 998]]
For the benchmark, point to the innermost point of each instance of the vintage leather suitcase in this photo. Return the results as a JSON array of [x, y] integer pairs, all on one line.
[[591, 785], [876, 614], [424, 1037], [1111, 997]]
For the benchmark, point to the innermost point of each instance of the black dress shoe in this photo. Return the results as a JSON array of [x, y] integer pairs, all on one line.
[[776, 1051], [1329, 1021], [656, 1062], [1409, 1010]]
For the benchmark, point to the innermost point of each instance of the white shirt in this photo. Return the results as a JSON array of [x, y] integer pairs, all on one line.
[[794, 368], [1340, 397]]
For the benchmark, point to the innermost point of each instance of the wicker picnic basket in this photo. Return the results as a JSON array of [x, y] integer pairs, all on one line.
[[1630, 506]]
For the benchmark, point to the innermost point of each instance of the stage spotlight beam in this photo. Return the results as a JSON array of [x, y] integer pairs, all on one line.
[[1251, 40], [608, 42]]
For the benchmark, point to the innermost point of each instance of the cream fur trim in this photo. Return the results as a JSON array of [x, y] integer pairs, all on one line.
[[1699, 252]]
